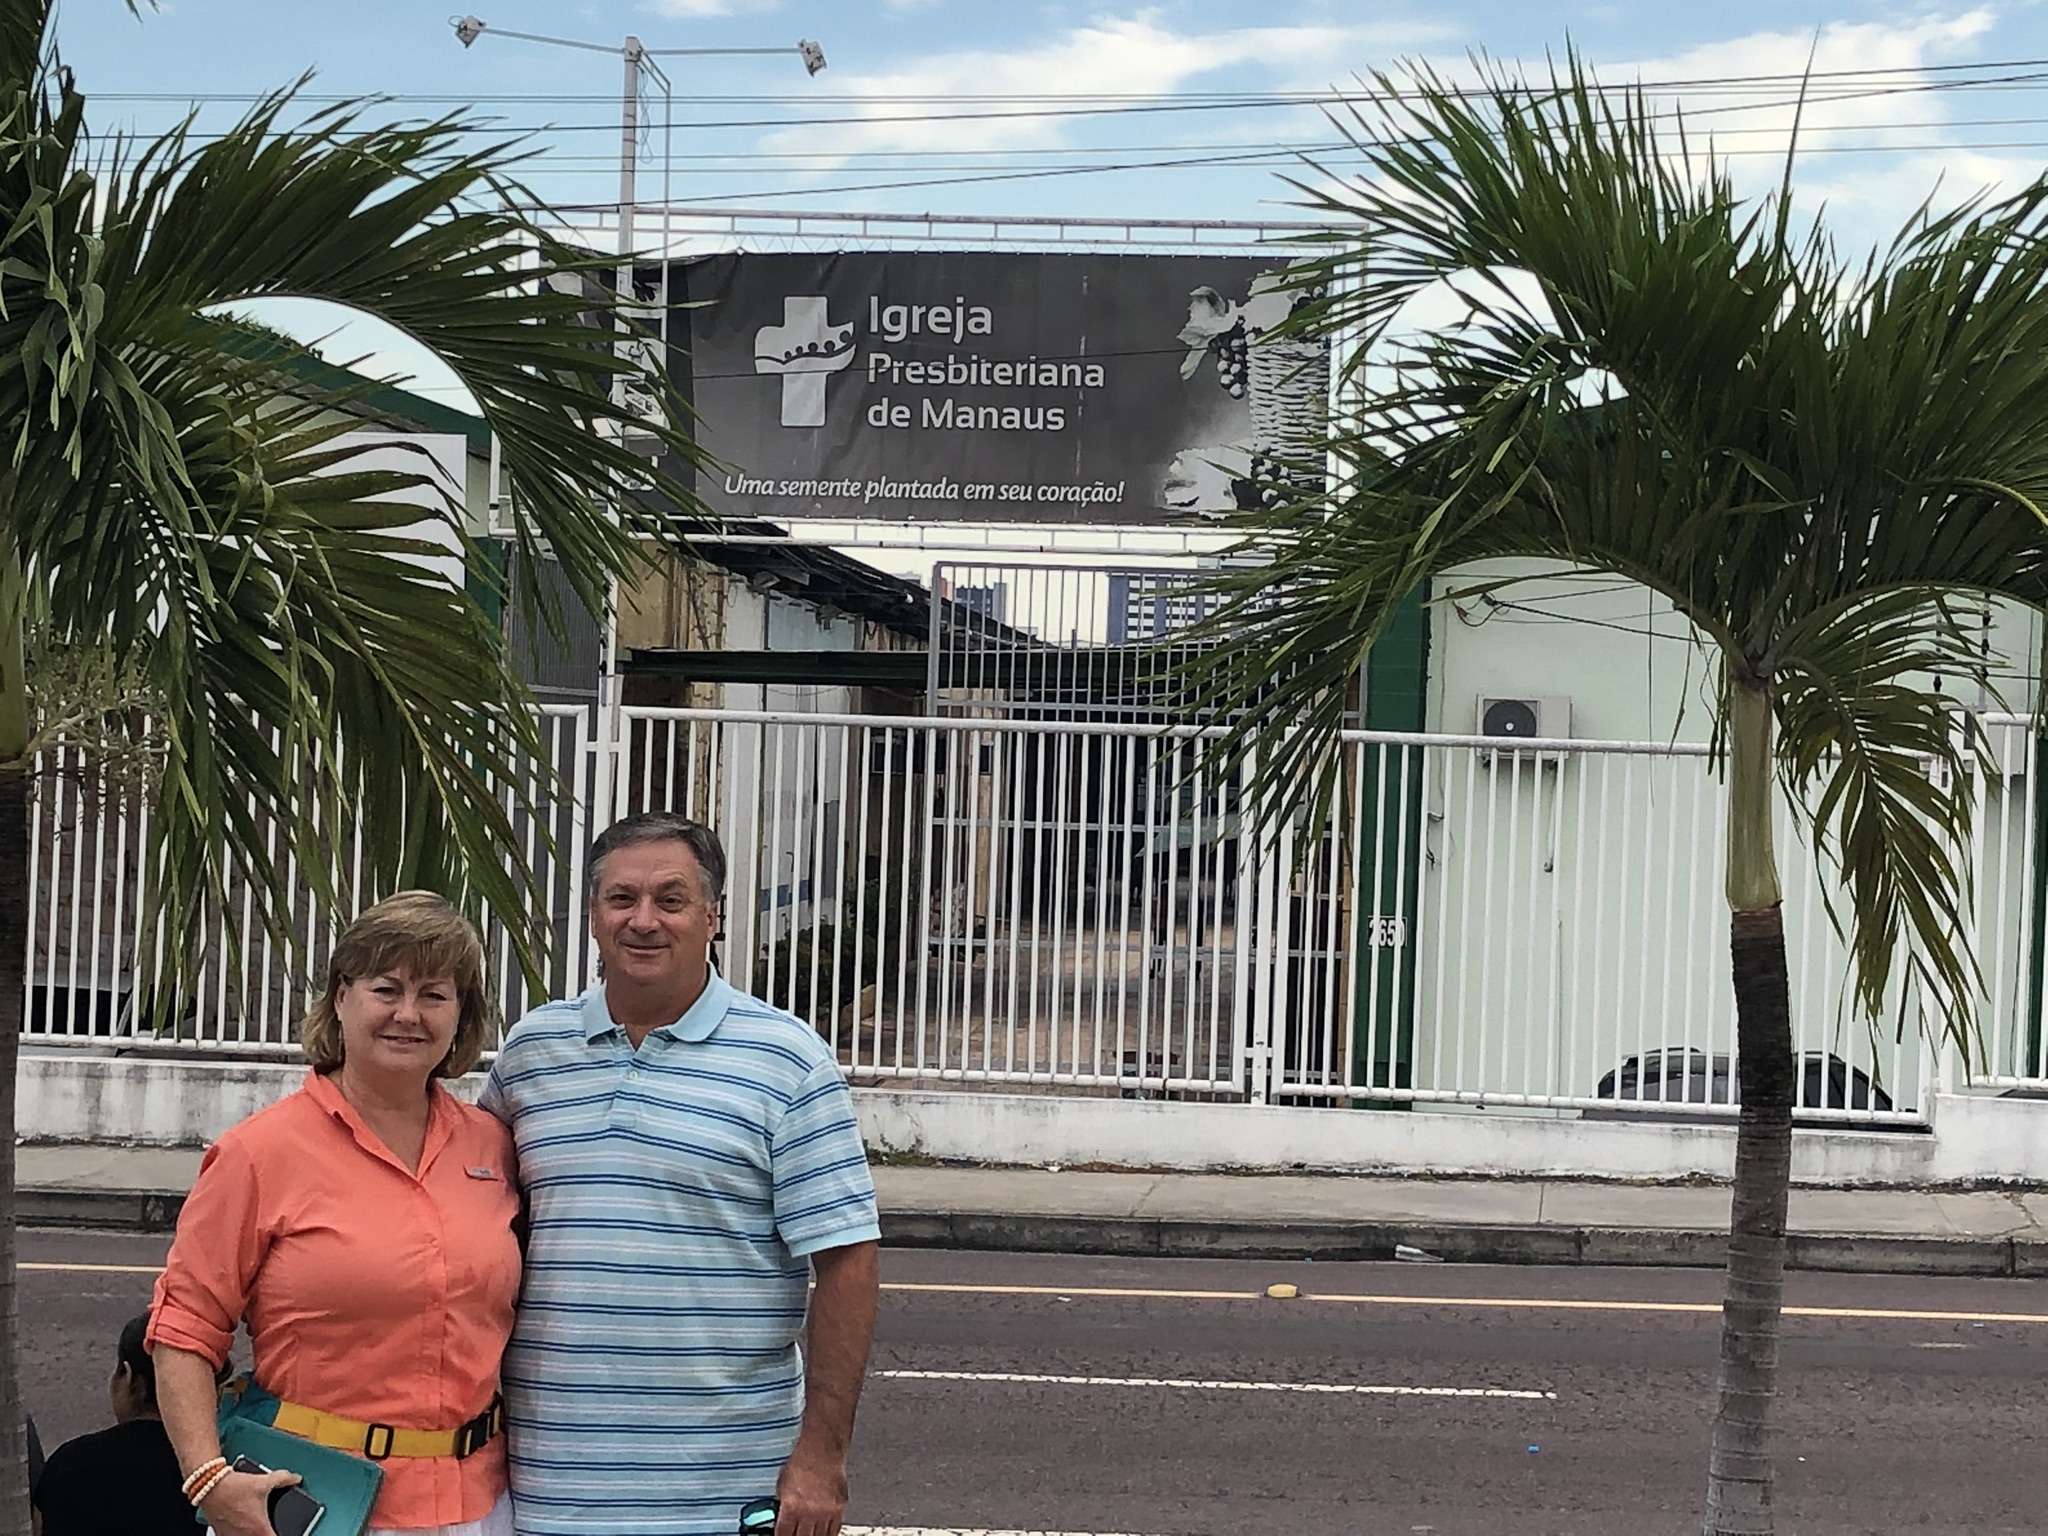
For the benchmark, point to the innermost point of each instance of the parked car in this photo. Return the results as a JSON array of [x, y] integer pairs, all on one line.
[[1678, 1075]]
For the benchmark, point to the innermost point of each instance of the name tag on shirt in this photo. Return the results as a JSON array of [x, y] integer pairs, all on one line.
[[482, 1173]]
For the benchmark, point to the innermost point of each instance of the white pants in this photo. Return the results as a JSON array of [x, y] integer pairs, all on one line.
[[497, 1523]]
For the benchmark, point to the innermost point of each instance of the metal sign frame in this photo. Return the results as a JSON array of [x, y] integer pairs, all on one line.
[[675, 230]]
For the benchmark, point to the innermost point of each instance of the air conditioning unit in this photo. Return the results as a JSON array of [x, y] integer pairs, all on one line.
[[1546, 717]]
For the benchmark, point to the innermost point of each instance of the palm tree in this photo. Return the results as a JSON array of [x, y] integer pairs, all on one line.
[[167, 509], [1811, 458]]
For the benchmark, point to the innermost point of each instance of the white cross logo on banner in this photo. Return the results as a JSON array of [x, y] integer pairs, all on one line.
[[803, 349]]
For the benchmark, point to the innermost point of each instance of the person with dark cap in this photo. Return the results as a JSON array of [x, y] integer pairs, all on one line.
[[121, 1481]]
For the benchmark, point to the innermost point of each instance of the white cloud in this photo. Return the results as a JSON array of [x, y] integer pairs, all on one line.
[[1872, 147], [1878, 109], [1126, 56], [701, 8], [1874, 143]]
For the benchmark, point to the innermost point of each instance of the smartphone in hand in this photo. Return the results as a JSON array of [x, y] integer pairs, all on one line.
[[293, 1511]]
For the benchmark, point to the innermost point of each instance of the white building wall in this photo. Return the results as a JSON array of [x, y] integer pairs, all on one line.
[[1633, 669], [1601, 943], [68, 1096], [444, 459]]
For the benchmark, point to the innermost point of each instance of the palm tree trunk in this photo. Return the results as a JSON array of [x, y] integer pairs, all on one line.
[[14, 893], [1740, 1469]]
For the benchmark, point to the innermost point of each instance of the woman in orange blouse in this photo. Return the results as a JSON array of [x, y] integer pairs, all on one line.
[[363, 1228]]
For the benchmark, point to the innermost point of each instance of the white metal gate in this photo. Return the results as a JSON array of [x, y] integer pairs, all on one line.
[[1088, 906]]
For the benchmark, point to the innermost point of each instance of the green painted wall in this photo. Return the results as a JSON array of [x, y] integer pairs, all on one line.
[[1396, 699]]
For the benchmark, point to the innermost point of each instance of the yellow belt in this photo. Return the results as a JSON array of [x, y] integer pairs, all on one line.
[[378, 1441]]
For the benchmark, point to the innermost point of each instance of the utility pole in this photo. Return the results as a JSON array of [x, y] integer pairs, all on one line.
[[629, 155], [640, 65], [639, 62]]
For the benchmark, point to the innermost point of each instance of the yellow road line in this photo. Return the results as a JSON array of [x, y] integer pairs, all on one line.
[[1197, 1384], [1069, 1290], [1524, 1303], [1551, 1304], [1559, 1304], [1496, 1303], [1888, 1314], [887, 1285]]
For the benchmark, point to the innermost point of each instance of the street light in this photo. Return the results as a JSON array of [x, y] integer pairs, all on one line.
[[469, 28], [640, 63]]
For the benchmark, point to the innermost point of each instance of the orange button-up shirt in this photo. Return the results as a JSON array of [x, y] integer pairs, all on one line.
[[370, 1291]]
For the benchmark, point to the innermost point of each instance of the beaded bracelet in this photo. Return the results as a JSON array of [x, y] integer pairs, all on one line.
[[219, 1475], [200, 1473]]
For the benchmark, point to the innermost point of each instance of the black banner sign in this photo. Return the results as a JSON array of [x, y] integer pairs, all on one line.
[[989, 386]]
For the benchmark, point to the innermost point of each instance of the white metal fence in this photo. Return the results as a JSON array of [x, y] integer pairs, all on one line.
[[1086, 907], [91, 865], [2011, 916]]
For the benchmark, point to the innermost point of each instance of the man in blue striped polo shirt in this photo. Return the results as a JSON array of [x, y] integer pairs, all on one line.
[[690, 1160]]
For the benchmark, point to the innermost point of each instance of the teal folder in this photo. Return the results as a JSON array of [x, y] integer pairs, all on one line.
[[346, 1484]]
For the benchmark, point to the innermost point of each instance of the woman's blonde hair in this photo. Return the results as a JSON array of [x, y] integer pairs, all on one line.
[[421, 935]]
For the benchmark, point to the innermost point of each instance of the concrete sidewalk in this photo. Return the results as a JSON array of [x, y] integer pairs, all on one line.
[[1179, 1215]]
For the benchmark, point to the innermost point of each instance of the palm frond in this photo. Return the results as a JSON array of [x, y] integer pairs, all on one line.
[[177, 510], [1877, 762], [1647, 376], [403, 224]]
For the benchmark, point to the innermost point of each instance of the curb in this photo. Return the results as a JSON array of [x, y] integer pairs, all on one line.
[[116, 1210], [139, 1210], [1681, 1248]]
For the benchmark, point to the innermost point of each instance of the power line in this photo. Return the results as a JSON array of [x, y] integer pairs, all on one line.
[[1675, 114], [1254, 159], [486, 128], [1693, 83], [1251, 160], [1261, 157], [1110, 106], [832, 158], [1257, 160], [1268, 156], [1546, 616]]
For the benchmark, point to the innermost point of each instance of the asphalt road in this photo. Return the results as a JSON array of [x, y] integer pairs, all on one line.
[[1010, 1392]]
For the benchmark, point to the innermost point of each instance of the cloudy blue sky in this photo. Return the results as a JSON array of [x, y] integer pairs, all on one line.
[[1182, 110]]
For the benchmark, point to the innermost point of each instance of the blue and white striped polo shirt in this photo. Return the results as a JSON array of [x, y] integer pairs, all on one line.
[[653, 1384]]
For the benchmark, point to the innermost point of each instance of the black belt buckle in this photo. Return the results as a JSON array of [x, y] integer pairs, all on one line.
[[479, 1431], [370, 1443]]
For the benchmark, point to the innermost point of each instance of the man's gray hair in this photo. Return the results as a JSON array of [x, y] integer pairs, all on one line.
[[663, 827]]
